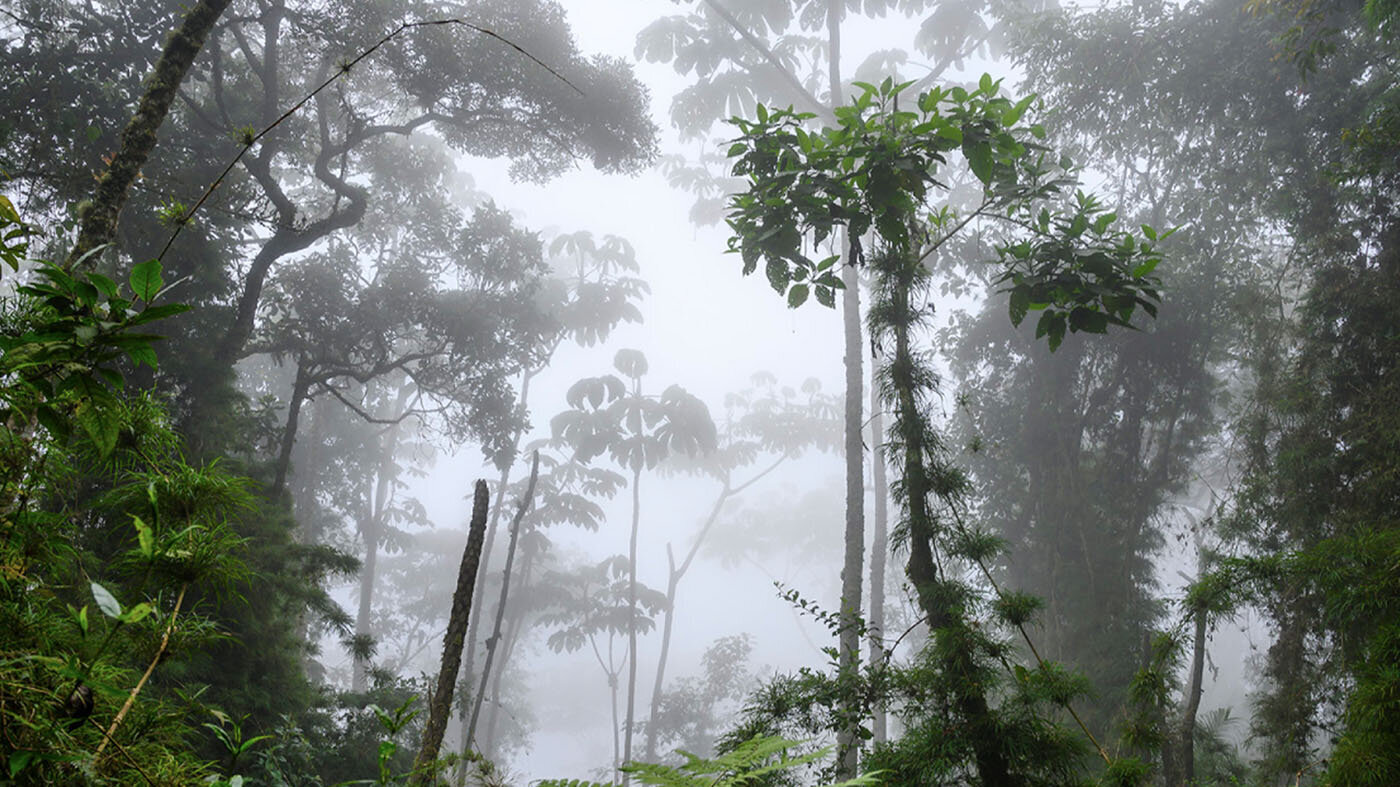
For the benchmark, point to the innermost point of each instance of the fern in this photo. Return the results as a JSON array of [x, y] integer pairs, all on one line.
[[747, 764]]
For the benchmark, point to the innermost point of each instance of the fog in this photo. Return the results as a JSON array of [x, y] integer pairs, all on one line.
[[1124, 343]]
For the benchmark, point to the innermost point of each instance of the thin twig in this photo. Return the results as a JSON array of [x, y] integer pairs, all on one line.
[[122, 749], [135, 690], [340, 72]]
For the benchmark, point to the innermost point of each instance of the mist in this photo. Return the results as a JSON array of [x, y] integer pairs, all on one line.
[[708, 392]]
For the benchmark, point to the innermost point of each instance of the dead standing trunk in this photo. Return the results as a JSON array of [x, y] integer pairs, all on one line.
[[495, 637], [441, 705]]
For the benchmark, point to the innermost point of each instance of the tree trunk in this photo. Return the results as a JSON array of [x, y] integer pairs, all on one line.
[[632, 618], [469, 670], [441, 705], [852, 570], [371, 532], [879, 549], [495, 637], [612, 688], [1186, 758], [359, 680], [673, 578], [969, 701], [512, 639], [99, 216], [289, 432]]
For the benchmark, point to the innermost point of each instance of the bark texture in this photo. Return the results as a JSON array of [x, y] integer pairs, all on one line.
[[441, 705]]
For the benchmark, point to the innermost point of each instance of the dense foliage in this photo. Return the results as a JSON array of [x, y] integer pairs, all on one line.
[[1098, 454]]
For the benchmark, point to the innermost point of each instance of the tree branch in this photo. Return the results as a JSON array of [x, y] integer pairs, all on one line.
[[772, 59]]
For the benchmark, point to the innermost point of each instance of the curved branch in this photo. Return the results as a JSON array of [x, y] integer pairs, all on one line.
[[772, 59], [340, 72]]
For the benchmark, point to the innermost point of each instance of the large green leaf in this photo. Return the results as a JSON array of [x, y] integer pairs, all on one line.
[[146, 280]]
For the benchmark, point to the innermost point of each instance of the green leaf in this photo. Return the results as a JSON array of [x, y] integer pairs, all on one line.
[[1020, 304], [160, 312], [135, 614], [1088, 320], [979, 158], [797, 295], [105, 285], [1012, 115], [101, 425], [146, 280], [144, 536], [106, 601], [142, 353], [51, 420]]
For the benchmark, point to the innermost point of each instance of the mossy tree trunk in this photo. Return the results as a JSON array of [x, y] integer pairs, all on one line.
[[441, 705], [138, 139]]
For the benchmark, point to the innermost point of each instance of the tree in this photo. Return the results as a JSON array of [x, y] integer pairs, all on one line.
[[597, 602], [637, 431], [875, 172], [744, 54], [758, 421]]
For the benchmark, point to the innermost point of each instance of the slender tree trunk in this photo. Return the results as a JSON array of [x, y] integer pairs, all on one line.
[[1186, 757], [371, 532], [878, 551], [852, 570], [632, 617], [512, 639], [359, 680], [99, 216], [468, 671], [672, 580], [674, 576], [441, 705], [289, 432], [617, 762], [495, 637]]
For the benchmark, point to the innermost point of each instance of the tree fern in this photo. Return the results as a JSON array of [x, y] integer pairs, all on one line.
[[747, 764]]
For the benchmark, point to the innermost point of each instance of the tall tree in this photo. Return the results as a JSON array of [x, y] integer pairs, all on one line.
[[786, 53], [637, 430], [879, 172]]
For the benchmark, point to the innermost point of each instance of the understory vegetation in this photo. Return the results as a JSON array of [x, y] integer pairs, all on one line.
[[1081, 466]]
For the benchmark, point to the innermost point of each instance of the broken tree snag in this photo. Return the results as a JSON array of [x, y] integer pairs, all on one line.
[[99, 217], [423, 770], [505, 592]]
